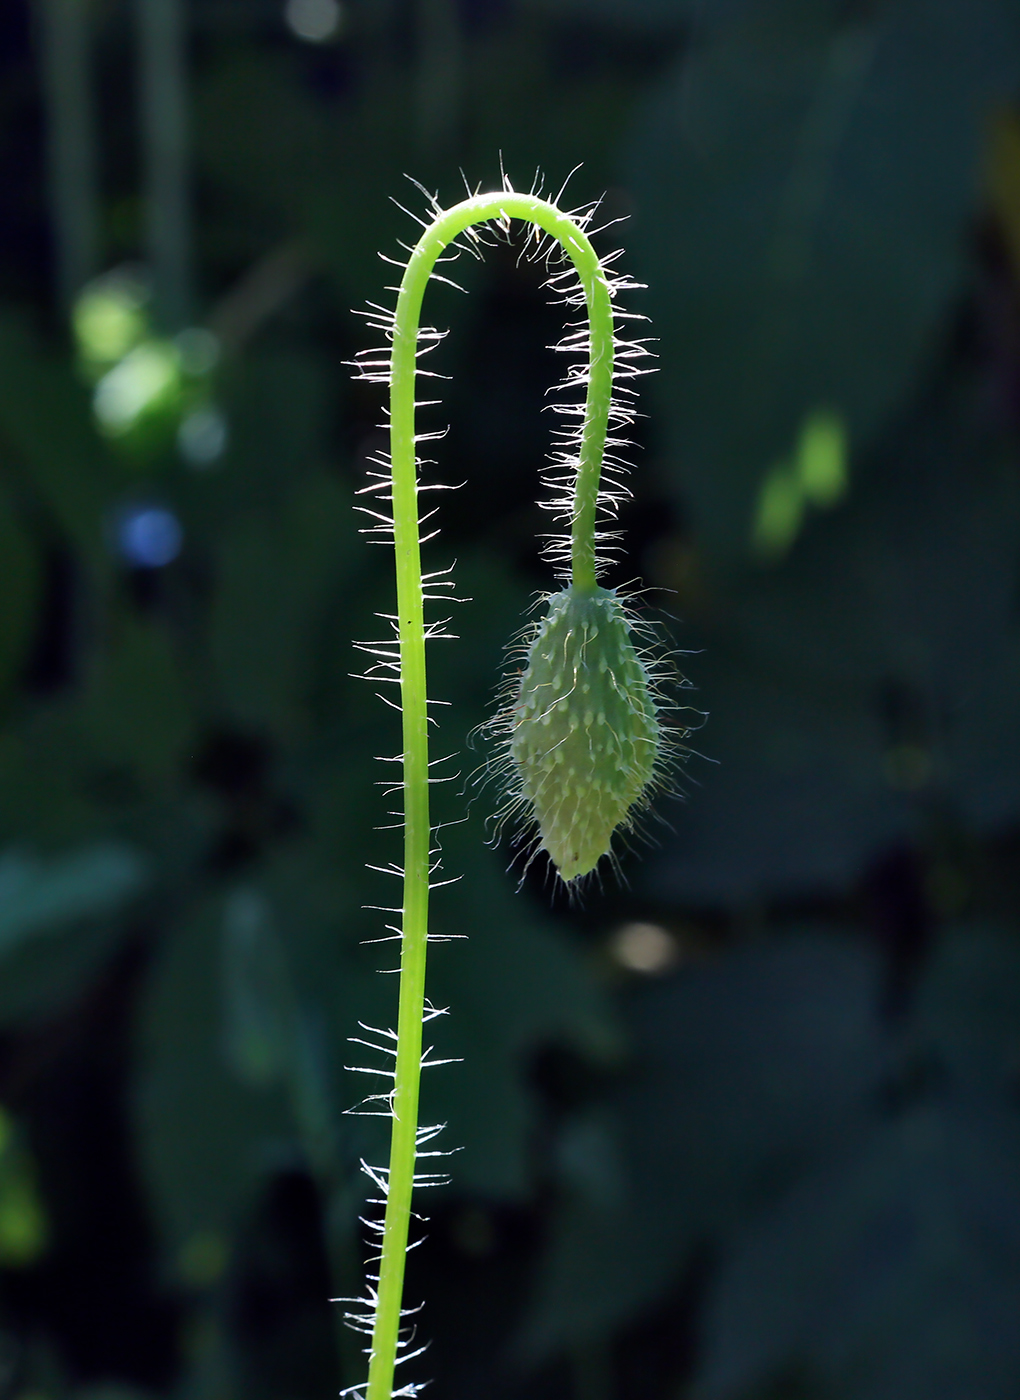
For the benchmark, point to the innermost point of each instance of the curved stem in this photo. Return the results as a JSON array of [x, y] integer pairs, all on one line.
[[454, 221]]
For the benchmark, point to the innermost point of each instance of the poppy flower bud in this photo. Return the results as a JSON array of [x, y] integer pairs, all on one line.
[[585, 733]]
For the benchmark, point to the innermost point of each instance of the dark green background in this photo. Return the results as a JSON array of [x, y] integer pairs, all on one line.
[[784, 1165]]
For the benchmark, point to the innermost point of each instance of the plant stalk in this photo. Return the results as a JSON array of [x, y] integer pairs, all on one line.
[[417, 830]]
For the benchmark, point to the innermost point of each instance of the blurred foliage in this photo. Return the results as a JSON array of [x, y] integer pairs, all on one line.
[[742, 1126]]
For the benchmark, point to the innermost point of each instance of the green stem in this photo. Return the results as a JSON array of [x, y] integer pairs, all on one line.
[[477, 210]]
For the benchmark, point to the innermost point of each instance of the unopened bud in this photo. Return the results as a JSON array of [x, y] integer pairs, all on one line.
[[585, 733]]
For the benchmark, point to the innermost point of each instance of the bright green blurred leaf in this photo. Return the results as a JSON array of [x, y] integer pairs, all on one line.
[[780, 511], [822, 459]]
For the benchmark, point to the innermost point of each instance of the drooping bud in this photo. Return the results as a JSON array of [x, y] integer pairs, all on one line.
[[584, 730]]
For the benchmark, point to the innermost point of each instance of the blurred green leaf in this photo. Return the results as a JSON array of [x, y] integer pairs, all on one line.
[[800, 798], [912, 580], [45, 420], [273, 1036], [967, 1006], [894, 1276], [259, 1010], [875, 669], [277, 572], [804, 181], [45, 768], [986, 764], [264, 139], [514, 987], [206, 1139], [137, 710], [38, 896], [43, 977], [59, 918], [746, 1072]]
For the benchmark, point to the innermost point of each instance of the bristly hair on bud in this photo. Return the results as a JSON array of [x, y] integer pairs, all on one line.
[[581, 734]]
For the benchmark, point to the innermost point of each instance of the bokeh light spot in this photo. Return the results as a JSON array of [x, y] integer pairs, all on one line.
[[148, 376], [110, 318], [202, 436], [315, 21], [646, 948], [199, 351], [150, 537]]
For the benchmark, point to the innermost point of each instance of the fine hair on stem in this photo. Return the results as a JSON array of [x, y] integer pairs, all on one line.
[[580, 734]]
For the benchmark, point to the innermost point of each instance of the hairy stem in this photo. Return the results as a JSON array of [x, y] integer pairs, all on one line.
[[439, 234]]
